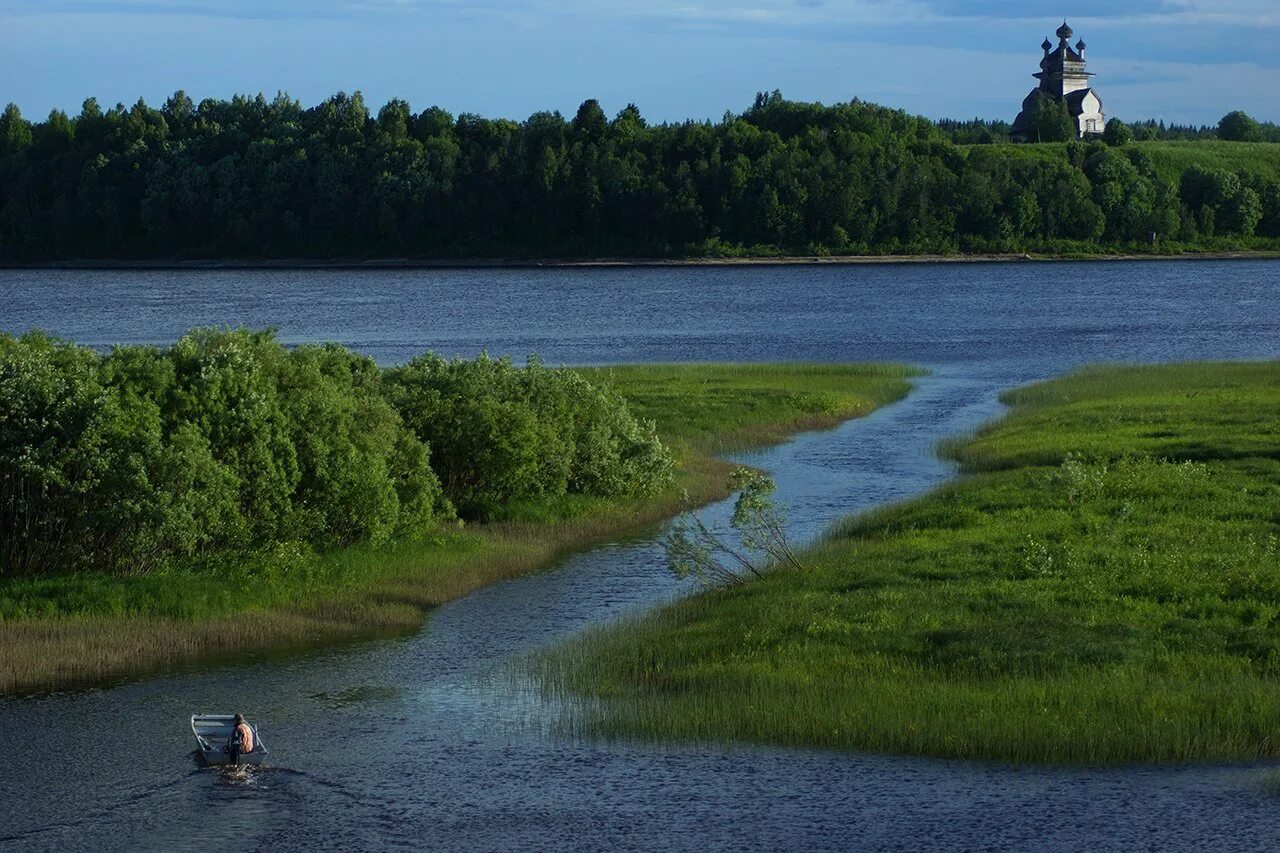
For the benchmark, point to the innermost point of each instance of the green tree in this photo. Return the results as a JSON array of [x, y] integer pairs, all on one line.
[[1239, 126], [1269, 196], [1145, 132], [1117, 134], [1241, 212], [15, 132], [56, 135], [394, 120], [1050, 120], [590, 122], [1222, 201], [627, 125], [433, 123], [179, 111]]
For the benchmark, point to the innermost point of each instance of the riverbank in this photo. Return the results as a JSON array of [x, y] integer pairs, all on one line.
[[596, 263], [1103, 588], [78, 630]]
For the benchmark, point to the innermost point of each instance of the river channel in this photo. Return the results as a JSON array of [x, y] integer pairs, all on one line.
[[422, 742]]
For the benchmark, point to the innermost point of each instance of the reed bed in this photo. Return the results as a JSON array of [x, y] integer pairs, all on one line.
[[89, 628], [1105, 588]]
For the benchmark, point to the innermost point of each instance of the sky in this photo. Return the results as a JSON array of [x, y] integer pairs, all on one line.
[[1183, 61]]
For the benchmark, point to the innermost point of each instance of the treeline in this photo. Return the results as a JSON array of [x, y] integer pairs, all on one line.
[[255, 178], [228, 443], [1236, 126]]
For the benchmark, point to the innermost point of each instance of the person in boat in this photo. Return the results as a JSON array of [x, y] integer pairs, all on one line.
[[241, 742]]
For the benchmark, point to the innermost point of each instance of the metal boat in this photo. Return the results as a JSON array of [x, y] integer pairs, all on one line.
[[213, 734]]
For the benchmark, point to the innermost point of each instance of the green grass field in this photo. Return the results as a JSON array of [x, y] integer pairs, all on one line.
[[84, 628], [1103, 587], [717, 407], [1173, 157]]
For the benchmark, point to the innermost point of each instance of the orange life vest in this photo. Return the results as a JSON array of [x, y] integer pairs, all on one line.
[[246, 737]]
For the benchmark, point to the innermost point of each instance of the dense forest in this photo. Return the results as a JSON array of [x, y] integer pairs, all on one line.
[[257, 178], [227, 443]]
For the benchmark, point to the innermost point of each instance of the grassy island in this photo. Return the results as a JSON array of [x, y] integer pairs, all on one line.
[[171, 543], [1103, 586]]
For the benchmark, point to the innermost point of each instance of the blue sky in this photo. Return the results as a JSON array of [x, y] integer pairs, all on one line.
[[1186, 61]]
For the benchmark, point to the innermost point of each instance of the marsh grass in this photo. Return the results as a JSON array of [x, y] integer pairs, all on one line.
[[711, 408], [1105, 587], [1197, 411], [1269, 782], [89, 628]]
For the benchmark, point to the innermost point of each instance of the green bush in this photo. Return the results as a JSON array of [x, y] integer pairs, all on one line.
[[68, 457], [227, 442], [500, 433]]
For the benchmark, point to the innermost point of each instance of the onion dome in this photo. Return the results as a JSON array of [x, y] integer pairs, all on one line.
[[1065, 32], [1080, 46], [1047, 46]]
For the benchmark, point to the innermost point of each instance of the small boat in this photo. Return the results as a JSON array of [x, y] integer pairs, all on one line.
[[213, 733]]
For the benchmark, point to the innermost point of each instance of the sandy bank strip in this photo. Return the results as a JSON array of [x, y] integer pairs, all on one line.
[[593, 263]]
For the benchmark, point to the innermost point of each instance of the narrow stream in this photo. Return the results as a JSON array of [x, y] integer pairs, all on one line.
[[418, 743]]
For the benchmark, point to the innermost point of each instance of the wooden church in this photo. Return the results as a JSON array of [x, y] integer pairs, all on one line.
[[1062, 77]]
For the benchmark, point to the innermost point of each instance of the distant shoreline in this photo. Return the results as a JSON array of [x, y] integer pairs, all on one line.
[[595, 263]]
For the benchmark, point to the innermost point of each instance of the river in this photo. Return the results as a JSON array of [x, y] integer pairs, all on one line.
[[423, 742]]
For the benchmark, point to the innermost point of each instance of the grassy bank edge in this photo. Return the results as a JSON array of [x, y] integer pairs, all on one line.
[[389, 591]]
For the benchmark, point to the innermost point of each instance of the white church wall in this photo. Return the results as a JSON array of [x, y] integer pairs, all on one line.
[[1091, 118], [1074, 84]]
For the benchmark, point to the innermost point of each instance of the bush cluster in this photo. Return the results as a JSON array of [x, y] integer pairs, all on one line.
[[227, 442], [499, 433]]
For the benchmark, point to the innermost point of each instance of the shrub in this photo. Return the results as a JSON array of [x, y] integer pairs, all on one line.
[[226, 384], [59, 428], [227, 442], [224, 442], [499, 433], [364, 476]]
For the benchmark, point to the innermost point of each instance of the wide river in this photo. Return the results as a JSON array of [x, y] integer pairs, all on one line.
[[423, 742]]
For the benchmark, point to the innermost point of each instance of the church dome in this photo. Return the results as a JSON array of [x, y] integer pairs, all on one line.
[[1048, 45], [1065, 32]]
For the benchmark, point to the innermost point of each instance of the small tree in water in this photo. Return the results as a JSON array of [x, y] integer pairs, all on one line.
[[695, 550]]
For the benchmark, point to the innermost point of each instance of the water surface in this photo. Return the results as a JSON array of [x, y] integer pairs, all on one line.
[[414, 743]]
